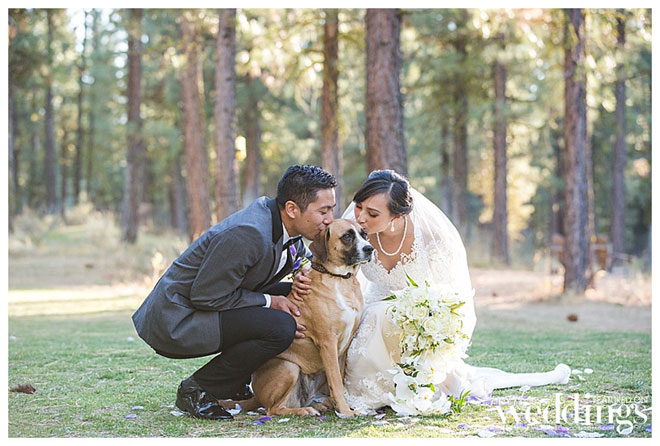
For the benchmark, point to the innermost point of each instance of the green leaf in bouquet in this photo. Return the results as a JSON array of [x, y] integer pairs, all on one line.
[[430, 386], [410, 281], [455, 307], [392, 297]]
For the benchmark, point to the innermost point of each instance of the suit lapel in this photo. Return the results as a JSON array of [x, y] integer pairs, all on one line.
[[277, 238]]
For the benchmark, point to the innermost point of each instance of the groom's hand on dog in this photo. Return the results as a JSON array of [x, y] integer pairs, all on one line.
[[300, 286], [284, 304]]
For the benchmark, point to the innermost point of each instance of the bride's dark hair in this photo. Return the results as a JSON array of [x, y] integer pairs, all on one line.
[[395, 185]]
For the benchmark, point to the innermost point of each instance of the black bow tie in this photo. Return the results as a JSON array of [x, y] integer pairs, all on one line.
[[291, 241]]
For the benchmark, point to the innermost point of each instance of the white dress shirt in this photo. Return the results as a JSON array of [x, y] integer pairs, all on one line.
[[283, 258]]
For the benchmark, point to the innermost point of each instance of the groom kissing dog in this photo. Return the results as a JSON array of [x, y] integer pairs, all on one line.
[[290, 384], [223, 296]]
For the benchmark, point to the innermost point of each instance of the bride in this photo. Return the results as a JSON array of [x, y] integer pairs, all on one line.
[[412, 237]]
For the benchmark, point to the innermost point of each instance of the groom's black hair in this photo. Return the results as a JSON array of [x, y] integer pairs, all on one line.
[[301, 183], [396, 186]]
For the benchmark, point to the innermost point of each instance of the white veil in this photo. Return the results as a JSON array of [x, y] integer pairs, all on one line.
[[447, 260]]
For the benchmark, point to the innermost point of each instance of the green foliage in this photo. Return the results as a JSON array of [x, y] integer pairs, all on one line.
[[279, 63]]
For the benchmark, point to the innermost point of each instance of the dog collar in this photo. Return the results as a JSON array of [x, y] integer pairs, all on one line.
[[320, 268]]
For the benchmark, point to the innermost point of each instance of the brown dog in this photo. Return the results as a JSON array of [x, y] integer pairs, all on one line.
[[292, 383]]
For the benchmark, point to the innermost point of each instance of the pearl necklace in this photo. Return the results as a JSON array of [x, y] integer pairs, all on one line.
[[405, 230]]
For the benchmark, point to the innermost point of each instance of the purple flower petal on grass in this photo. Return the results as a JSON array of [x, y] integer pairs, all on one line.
[[493, 429], [462, 426], [550, 432], [130, 415], [520, 425], [471, 398], [320, 418], [264, 419], [136, 408], [648, 428], [257, 422], [606, 427], [561, 429]]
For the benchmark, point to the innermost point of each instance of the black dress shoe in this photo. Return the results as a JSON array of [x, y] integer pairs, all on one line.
[[191, 398], [244, 394]]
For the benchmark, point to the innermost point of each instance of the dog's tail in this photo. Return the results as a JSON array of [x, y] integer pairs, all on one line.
[[250, 404]]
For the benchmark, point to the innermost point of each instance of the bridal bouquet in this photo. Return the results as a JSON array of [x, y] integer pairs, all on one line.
[[430, 320]]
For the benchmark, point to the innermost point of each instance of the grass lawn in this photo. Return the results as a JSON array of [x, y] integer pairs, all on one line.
[[90, 371], [72, 339]]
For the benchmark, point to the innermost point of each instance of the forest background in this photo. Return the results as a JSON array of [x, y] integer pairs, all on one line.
[[165, 118]]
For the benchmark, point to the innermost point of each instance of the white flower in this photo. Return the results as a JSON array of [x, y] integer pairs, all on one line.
[[419, 312], [429, 317]]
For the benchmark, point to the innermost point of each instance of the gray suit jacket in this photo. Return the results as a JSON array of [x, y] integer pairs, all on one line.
[[223, 269]]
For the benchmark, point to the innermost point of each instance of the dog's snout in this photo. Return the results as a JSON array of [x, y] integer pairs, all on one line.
[[368, 249]]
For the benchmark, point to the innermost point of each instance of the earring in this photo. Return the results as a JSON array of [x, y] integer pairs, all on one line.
[[392, 227]]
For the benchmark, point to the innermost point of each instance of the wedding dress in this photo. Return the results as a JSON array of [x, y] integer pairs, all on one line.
[[437, 254]]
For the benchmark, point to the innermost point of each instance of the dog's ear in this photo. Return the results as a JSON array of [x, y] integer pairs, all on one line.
[[319, 246]]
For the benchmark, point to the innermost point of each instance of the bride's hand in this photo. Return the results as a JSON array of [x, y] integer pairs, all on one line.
[[301, 285]]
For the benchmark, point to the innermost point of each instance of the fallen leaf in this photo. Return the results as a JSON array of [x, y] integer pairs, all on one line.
[[24, 388], [627, 431], [572, 317], [486, 433], [583, 434]]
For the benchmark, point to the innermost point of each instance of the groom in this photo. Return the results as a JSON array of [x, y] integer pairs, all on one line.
[[224, 295]]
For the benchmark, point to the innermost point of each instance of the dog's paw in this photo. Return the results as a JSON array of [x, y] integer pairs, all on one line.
[[563, 372], [345, 414], [309, 412]]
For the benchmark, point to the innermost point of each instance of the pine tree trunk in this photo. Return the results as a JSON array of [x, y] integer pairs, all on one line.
[[619, 155], [575, 129], [500, 247], [177, 198], [49, 159], [445, 170], [384, 103], [89, 170], [557, 205], [77, 166], [460, 145], [134, 155], [252, 126], [12, 196], [226, 166], [33, 148], [196, 163], [330, 154], [64, 169], [460, 161]]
